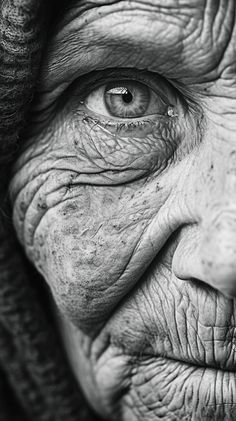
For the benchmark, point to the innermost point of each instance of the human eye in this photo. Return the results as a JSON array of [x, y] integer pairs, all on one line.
[[127, 99], [127, 122]]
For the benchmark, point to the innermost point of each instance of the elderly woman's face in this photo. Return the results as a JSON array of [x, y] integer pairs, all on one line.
[[124, 198]]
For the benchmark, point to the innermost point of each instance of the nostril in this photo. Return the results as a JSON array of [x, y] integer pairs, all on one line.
[[221, 274], [204, 286]]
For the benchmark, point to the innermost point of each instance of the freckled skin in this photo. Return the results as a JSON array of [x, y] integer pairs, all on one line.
[[135, 231]]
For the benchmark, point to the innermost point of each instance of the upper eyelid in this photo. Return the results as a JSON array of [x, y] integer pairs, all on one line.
[[95, 80], [82, 86], [170, 109]]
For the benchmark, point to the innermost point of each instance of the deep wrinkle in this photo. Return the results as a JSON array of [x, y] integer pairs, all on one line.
[[131, 256], [82, 46], [73, 55]]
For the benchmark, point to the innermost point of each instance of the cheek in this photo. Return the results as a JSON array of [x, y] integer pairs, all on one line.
[[92, 243], [83, 246], [86, 255]]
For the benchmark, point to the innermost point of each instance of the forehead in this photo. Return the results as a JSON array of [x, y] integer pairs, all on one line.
[[83, 4], [192, 9], [177, 38]]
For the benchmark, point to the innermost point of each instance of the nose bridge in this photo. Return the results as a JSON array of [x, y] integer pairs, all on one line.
[[229, 183], [221, 200]]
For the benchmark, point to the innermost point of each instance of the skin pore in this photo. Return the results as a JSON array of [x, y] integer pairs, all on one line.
[[131, 218]]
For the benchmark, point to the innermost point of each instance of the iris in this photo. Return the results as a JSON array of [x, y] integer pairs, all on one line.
[[127, 99]]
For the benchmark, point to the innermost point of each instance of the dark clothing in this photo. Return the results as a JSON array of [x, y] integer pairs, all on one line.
[[36, 382]]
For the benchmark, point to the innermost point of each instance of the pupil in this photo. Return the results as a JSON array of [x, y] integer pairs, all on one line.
[[127, 97]]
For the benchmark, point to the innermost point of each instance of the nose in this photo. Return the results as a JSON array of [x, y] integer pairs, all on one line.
[[207, 250], [218, 252]]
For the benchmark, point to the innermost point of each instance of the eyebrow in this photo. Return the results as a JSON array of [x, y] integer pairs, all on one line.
[[145, 34], [83, 45]]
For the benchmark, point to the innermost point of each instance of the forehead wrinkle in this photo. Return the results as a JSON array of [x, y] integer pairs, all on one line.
[[76, 39], [158, 3], [173, 11], [73, 44], [179, 7], [84, 12]]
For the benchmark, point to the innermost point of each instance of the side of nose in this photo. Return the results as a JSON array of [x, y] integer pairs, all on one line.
[[218, 253], [207, 250]]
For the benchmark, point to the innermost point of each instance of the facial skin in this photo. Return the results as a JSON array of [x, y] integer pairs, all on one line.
[[132, 221]]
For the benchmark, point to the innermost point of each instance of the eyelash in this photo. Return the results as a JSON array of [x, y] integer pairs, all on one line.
[[124, 127], [96, 79], [44, 111]]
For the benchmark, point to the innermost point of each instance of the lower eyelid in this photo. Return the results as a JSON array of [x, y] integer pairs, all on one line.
[[165, 129], [139, 127], [114, 151]]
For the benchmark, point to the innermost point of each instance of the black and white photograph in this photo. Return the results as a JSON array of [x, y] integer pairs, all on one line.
[[117, 210]]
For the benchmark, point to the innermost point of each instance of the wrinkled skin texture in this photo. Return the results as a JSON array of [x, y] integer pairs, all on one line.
[[135, 232]]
